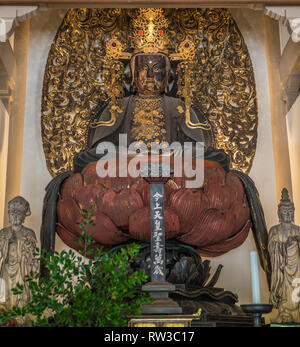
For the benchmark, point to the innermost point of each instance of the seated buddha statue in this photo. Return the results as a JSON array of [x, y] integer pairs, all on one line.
[[148, 115], [213, 219]]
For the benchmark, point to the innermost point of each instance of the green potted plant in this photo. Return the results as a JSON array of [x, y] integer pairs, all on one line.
[[99, 292]]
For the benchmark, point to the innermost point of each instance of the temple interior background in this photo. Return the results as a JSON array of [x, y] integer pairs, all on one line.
[[25, 39]]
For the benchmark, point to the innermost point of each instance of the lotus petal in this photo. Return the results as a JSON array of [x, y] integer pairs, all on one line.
[[140, 185], [220, 196], [211, 227], [71, 185], [69, 238], [119, 205], [140, 224], [241, 214], [87, 196], [227, 245], [69, 214], [214, 175], [233, 181], [90, 175], [188, 205], [72, 240], [168, 189], [105, 232]]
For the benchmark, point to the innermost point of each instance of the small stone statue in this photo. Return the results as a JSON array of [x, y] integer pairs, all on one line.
[[284, 249], [17, 245]]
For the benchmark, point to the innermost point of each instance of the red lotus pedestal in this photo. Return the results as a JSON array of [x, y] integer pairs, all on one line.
[[214, 218]]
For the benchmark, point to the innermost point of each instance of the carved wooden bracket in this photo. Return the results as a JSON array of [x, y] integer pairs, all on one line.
[[289, 16], [295, 26], [7, 73], [11, 16], [289, 27]]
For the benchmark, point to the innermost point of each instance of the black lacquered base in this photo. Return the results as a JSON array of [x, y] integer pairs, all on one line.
[[162, 304], [257, 310]]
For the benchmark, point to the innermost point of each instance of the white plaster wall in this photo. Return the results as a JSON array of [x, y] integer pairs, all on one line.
[[235, 275], [293, 130]]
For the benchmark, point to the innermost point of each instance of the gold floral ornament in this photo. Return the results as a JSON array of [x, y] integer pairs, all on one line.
[[185, 91], [113, 80], [186, 50], [114, 50], [187, 53], [149, 121], [86, 66], [149, 31], [115, 91], [76, 82]]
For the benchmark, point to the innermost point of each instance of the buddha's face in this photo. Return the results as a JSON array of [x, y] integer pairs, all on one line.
[[16, 217], [286, 214], [150, 74]]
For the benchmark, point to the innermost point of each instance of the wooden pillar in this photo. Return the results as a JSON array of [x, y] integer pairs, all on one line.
[[4, 128], [17, 112], [277, 106], [7, 83]]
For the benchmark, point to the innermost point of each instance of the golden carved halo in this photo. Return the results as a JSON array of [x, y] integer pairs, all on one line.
[[84, 71]]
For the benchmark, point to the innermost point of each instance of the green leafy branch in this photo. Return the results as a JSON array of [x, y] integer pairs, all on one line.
[[102, 291]]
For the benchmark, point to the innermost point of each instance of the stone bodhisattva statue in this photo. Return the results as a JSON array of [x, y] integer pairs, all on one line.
[[284, 249], [17, 246]]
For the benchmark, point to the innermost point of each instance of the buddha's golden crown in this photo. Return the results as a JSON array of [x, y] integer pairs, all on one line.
[[150, 34]]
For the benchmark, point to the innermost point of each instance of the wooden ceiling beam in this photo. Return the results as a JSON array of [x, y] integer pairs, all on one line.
[[161, 3]]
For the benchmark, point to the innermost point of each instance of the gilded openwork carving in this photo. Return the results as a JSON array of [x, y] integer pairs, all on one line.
[[88, 67]]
